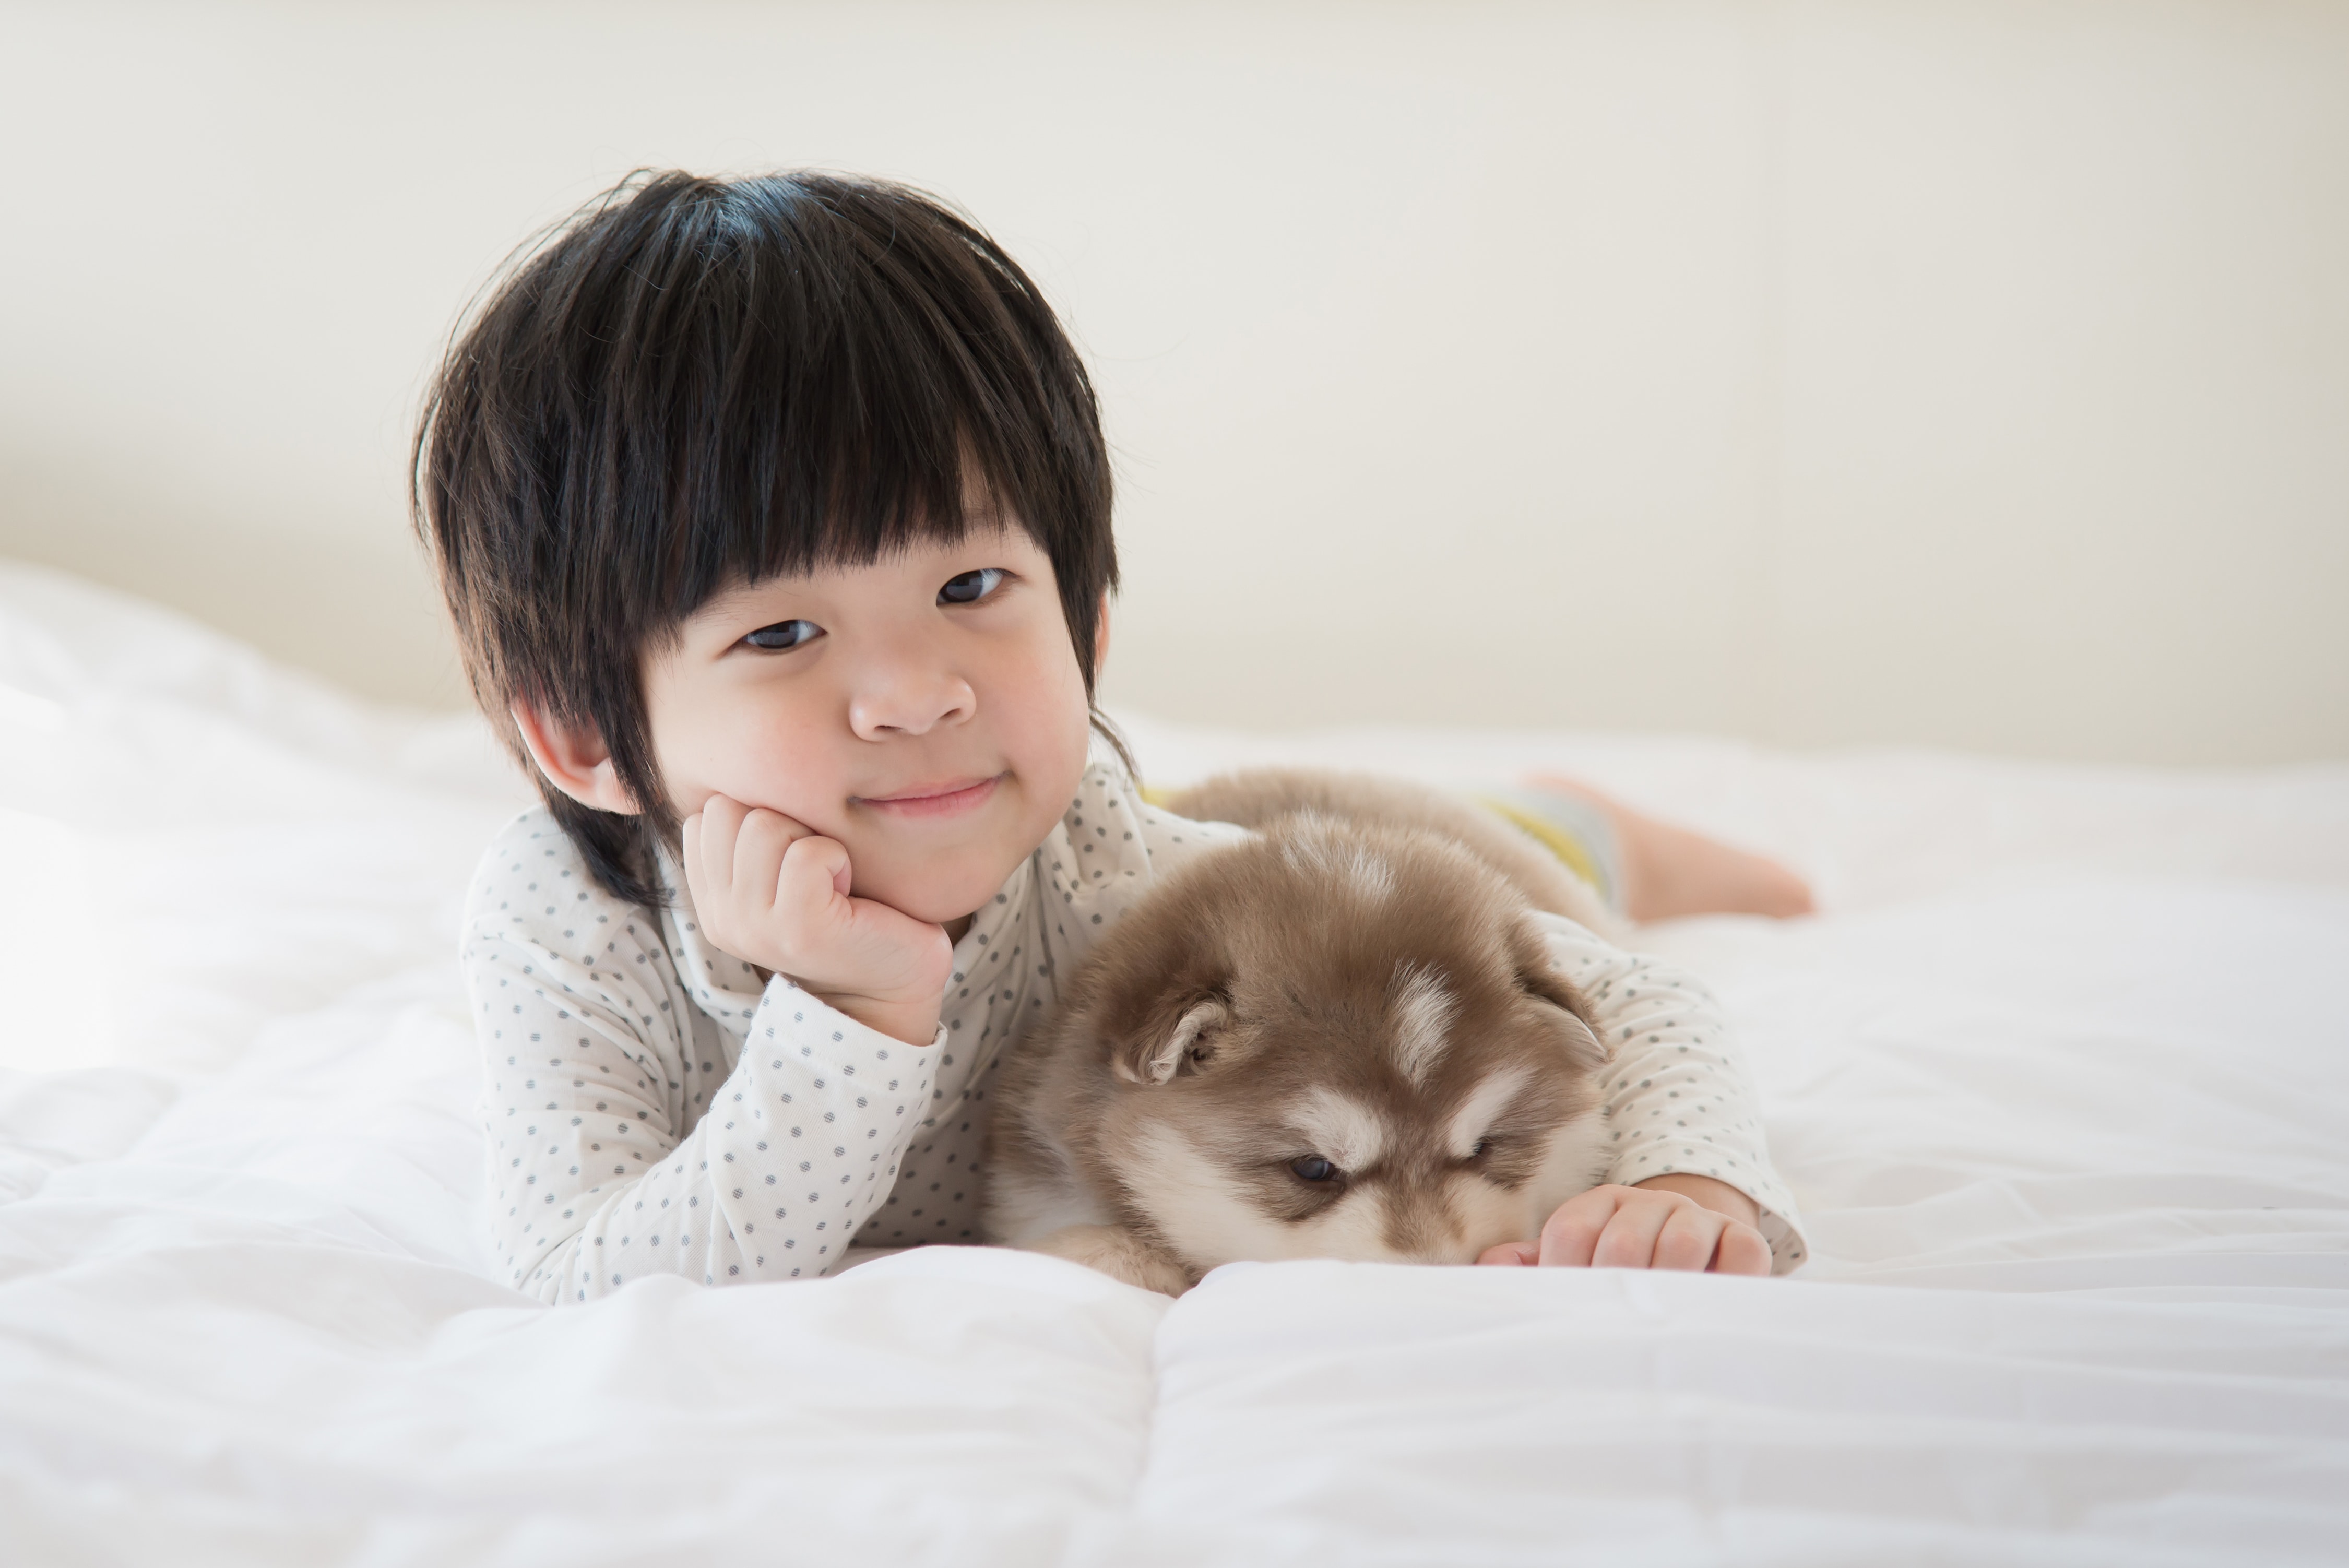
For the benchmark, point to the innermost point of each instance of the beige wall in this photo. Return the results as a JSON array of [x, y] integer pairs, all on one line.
[[1964, 373]]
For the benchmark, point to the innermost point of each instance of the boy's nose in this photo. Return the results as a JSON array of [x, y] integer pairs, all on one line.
[[897, 700]]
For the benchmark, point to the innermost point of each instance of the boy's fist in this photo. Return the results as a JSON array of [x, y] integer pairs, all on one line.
[[772, 893], [1639, 1228]]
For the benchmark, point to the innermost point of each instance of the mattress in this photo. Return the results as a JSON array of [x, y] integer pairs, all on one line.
[[2060, 1077]]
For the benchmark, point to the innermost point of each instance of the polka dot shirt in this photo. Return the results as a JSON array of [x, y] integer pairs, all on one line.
[[653, 1107]]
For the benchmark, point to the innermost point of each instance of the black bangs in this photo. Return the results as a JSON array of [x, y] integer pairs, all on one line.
[[698, 382], [802, 375]]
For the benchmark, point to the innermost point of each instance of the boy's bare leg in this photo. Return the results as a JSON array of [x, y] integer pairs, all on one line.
[[1669, 872]]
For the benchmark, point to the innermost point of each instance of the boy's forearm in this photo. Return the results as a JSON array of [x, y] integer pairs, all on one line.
[[1718, 1196]]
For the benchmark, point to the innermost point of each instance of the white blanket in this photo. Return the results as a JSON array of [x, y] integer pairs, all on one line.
[[2061, 1080]]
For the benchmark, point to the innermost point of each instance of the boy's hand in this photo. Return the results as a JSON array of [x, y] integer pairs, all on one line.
[[772, 891], [1646, 1227]]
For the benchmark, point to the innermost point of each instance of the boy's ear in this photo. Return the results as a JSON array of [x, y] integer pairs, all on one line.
[[574, 759]]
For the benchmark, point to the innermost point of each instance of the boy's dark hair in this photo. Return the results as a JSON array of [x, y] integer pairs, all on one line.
[[696, 382]]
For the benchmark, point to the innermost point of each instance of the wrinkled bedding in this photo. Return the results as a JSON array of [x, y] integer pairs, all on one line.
[[2061, 1079]]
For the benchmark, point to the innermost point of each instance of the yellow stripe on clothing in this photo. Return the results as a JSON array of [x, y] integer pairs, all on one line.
[[1564, 842], [1551, 837]]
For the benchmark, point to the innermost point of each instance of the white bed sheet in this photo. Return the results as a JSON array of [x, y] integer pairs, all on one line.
[[2061, 1077]]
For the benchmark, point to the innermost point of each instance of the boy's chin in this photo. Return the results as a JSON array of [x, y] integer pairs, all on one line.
[[939, 900]]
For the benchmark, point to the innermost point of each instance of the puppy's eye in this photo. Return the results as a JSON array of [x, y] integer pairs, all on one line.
[[1481, 1145], [1313, 1167], [784, 635], [970, 587]]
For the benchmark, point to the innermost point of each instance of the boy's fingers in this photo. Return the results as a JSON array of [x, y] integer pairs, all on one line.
[[1620, 1227], [813, 871], [1743, 1252], [1569, 1236], [1688, 1239], [759, 852], [1629, 1241], [721, 821]]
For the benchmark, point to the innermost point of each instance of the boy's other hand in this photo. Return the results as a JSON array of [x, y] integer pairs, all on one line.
[[1647, 1227], [774, 893]]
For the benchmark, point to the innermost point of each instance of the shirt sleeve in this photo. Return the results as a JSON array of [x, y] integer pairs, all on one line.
[[599, 1170], [1678, 1100], [1169, 839]]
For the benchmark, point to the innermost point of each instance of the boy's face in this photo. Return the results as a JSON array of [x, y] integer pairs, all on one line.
[[927, 711]]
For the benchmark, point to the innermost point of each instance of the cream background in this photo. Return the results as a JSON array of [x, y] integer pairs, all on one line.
[[1963, 373]]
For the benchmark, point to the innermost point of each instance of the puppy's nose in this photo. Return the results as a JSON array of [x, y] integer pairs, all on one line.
[[1420, 1226], [1447, 1257]]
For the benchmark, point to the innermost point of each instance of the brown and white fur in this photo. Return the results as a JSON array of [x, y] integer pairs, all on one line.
[[1359, 987]]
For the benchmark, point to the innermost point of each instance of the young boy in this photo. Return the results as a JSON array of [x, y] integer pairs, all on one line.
[[773, 515]]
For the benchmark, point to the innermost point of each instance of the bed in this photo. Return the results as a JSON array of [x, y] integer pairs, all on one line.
[[2061, 1077]]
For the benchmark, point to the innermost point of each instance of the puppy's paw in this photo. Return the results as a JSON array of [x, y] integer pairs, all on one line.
[[1119, 1254]]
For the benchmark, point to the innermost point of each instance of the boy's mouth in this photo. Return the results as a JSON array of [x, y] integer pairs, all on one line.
[[941, 798]]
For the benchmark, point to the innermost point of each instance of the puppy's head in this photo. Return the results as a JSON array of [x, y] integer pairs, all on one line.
[[1336, 1041]]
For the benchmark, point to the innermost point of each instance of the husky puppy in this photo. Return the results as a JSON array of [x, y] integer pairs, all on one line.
[[1340, 1038]]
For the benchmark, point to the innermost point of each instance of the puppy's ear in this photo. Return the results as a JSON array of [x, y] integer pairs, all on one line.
[[1539, 977], [1158, 993], [1178, 1036]]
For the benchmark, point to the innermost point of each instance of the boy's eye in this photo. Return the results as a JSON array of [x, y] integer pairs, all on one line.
[[970, 587], [784, 634]]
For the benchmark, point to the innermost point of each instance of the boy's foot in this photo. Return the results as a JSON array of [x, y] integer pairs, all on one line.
[[1669, 872]]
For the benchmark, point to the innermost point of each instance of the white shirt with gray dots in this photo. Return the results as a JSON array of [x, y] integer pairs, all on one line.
[[652, 1107]]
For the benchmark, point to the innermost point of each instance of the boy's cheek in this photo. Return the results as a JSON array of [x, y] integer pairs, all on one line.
[[750, 778]]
